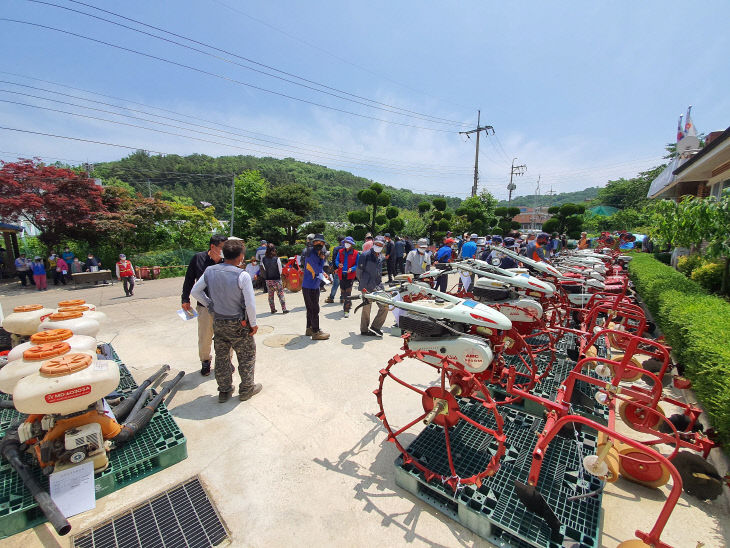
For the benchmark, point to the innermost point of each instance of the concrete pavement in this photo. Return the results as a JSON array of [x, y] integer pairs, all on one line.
[[305, 461]]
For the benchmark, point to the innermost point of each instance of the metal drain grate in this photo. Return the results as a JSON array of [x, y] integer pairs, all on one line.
[[183, 516]]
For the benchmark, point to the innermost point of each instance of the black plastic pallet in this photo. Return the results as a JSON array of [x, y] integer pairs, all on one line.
[[159, 445], [493, 510]]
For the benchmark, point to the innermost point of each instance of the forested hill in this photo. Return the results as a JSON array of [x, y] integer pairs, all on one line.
[[557, 199], [207, 179]]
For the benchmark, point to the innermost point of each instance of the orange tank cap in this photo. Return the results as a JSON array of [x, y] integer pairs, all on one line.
[[52, 335], [27, 308], [71, 302], [65, 365], [79, 308], [60, 316], [45, 351]]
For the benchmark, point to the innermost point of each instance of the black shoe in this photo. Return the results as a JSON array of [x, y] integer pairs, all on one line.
[[224, 396], [376, 332], [367, 334], [285, 312], [243, 396], [205, 369]]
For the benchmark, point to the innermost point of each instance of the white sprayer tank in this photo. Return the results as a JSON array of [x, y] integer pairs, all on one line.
[[32, 360], [86, 311], [65, 385], [24, 320], [75, 321], [76, 342], [75, 302]]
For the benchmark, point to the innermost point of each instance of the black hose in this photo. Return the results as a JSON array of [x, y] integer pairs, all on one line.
[[143, 416], [7, 404], [122, 410], [9, 448], [140, 402]]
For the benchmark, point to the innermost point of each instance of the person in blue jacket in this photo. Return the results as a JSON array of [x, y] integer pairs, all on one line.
[[313, 261], [443, 255]]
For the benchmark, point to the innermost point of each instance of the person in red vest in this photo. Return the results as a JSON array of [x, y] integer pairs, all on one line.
[[125, 272], [346, 263]]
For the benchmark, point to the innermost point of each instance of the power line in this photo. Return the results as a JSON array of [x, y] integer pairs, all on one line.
[[278, 147], [278, 140], [335, 56], [388, 108], [222, 77]]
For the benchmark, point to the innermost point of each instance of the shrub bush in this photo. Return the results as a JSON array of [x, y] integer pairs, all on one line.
[[663, 256], [709, 276], [697, 326], [687, 264]]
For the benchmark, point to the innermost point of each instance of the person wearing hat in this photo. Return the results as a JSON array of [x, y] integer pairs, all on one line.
[[22, 267], [39, 273], [125, 272], [443, 256], [368, 242], [346, 264], [313, 261], [306, 249], [469, 247], [370, 274], [418, 260], [389, 256], [335, 278], [535, 249], [260, 251]]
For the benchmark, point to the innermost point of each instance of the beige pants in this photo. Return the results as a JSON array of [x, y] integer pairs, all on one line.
[[205, 333], [379, 317]]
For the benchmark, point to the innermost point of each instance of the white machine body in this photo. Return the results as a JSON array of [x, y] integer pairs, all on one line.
[[474, 354]]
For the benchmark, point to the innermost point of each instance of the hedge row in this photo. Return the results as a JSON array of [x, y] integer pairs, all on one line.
[[696, 326]]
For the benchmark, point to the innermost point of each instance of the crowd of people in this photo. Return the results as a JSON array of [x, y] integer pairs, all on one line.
[[223, 284], [58, 266]]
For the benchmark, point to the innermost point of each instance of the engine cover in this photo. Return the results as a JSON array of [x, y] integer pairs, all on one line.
[[520, 310], [474, 354]]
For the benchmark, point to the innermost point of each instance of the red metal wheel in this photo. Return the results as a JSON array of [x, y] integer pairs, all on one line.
[[511, 343], [440, 406], [641, 467]]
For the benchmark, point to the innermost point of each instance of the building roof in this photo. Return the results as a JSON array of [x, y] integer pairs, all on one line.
[[603, 210], [704, 152], [666, 178], [6, 227]]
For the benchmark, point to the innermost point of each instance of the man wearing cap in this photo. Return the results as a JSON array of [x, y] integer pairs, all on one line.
[[227, 293], [418, 261], [346, 264], [313, 271], [197, 266], [370, 274], [368, 242], [443, 256], [125, 273], [535, 249]]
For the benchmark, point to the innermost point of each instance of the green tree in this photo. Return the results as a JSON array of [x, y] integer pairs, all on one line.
[[190, 227], [477, 214], [291, 204], [375, 199], [566, 219], [250, 193], [505, 215], [629, 193]]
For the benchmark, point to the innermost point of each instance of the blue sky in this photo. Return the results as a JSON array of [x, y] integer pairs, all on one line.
[[579, 92]]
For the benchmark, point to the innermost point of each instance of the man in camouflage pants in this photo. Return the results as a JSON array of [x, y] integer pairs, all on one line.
[[232, 304]]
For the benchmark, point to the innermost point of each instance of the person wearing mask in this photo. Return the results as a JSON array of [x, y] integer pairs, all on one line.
[[271, 272], [583, 242], [227, 293], [23, 268], [400, 255], [347, 260], [306, 249], [443, 256], [92, 264], [198, 264], [370, 274], [125, 272], [535, 249], [389, 256], [61, 273], [418, 261], [68, 255], [509, 262], [469, 248], [335, 278], [253, 271], [51, 267], [313, 274], [368, 242], [76, 266], [39, 274]]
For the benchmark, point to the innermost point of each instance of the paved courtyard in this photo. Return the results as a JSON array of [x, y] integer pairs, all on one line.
[[305, 462]]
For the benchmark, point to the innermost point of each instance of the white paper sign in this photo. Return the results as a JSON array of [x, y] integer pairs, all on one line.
[[187, 314], [73, 489], [466, 281]]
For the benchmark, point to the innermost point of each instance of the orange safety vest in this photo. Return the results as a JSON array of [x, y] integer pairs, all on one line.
[[125, 269]]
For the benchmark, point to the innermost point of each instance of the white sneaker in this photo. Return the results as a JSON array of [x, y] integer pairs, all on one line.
[[347, 314]]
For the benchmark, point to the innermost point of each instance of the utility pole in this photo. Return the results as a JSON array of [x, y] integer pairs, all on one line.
[[478, 130], [233, 200], [516, 170], [551, 193], [535, 211]]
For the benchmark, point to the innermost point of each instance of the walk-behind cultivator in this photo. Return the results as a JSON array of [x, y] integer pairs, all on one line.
[[568, 339]]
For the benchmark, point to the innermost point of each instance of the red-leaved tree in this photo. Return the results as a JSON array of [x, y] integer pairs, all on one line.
[[60, 203]]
